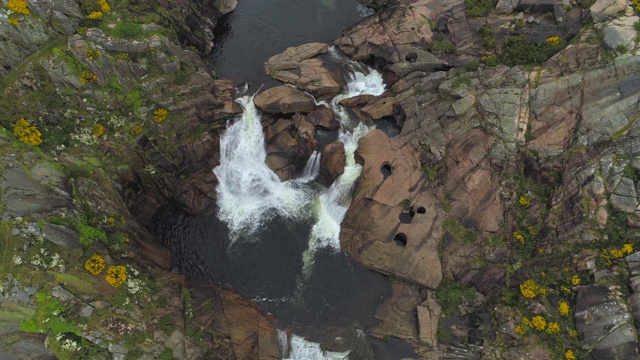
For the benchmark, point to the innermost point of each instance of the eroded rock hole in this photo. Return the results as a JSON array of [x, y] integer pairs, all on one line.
[[386, 170], [406, 218], [400, 239], [421, 210]]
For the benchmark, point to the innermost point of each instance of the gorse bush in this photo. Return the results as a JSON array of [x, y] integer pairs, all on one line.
[[19, 6], [27, 132]]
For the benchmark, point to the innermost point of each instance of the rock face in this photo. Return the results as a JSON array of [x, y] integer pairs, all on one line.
[[602, 10], [300, 66], [372, 231], [605, 324], [283, 100]]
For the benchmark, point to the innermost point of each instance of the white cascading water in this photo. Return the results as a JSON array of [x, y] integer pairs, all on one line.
[[311, 169], [297, 348], [248, 191], [331, 206]]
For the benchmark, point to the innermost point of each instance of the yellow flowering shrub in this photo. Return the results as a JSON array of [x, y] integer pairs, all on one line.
[[553, 40], [553, 328], [13, 21], [608, 255], [563, 308], [575, 280], [520, 329], [87, 77], [569, 355], [98, 130], [19, 6], [160, 115], [116, 275], [96, 15], [122, 56], [538, 323], [573, 333], [26, 132], [529, 289], [110, 222], [104, 5], [93, 54], [526, 322], [524, 201], [95, 264], [136, 130], [519, 237]]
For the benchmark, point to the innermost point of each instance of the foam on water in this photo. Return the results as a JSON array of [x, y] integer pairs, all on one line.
[[297, 348]]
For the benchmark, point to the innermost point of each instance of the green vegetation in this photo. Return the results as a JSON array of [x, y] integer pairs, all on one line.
[[49, 318], [452, 293], [127, 30], [88, 234], [167, 324], [479, 8], [517, 50], [487, 36], [443, 46], [460, 233]]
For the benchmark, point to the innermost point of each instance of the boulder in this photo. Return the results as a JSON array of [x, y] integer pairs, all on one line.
[[299, 66], [284, 100], [332, 162], [226, 6], [602, 10], [324, 118], [620, 32], [289, 146]]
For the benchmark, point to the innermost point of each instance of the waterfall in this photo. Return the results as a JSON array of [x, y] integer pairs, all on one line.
[[331, 207], [249, 193], [297, 348], [311, 169]]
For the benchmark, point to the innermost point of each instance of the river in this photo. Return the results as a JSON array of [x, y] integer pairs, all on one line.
[[277, 242]]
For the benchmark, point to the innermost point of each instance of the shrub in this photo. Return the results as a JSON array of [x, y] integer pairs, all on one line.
[[116, 275], [517, 50], [127, 30], [443, 46], [96, 15], [87, 77], [160, 115], [19, 6], [478, 8], [450, 294], [27, 132], [88, 234], [487, 37], [95, 264]]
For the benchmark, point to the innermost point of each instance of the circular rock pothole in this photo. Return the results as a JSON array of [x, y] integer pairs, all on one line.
[[400, 239]]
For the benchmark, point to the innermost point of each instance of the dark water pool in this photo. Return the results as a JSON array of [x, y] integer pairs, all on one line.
[[337, 297], [259, 29]]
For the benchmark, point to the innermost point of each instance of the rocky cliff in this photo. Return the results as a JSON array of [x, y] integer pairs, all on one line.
[[503, 209], [506, 207]]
